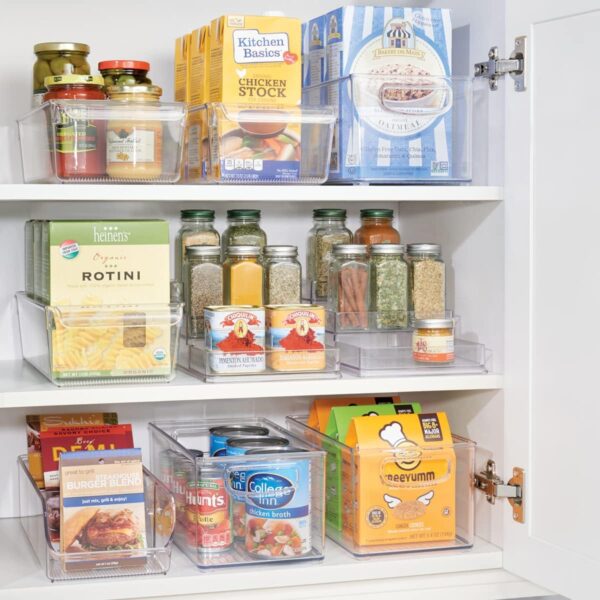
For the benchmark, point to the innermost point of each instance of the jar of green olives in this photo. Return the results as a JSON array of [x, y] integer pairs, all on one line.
[[124, 72], [52, 58]]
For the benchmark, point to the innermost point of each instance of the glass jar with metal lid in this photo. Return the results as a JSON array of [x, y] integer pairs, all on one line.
[[52, 58], [433, 341], [348, 292], [197, 229], [124, 72], [203, 285], [376, 227], [283, 275], [388, 281], [329, 228], [427, 281], [243, 230], [243, 276], [134, 139]]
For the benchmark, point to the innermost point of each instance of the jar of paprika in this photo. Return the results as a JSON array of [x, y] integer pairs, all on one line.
[[376, 227]]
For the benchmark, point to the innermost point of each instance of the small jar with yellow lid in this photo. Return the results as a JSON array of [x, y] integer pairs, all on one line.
[[134, 137], [433, 341]]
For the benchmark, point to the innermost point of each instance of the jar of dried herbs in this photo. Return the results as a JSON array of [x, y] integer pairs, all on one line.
[[197, 229], [243, 275], [243, 230], [283, 275], [329, 229], [427, 278], [203, 285], [388, 280], [348, 290]]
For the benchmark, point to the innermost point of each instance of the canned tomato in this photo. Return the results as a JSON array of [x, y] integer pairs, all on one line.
[[220, 435], [208, 512]]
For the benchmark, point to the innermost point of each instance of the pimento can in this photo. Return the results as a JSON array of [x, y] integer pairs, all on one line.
[[296, 337], [235, 338], [208, 512], [220, 435]]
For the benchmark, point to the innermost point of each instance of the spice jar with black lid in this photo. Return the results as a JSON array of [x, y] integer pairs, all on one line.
[[388, 280], [283, 275], [427, 281]]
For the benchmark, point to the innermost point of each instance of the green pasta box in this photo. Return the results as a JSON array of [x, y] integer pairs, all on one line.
[[339, 422]]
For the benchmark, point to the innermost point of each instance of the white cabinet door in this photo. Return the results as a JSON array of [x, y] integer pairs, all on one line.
[[552, 417]]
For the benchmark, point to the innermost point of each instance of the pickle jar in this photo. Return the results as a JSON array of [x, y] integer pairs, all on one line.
[[376, 227], [433, 341], [283, 275], [348, 293], [197, 229], [329, 228], [427, 277], [243, 230], [388, 281], [243, 275], [124, 72], [52, 58]]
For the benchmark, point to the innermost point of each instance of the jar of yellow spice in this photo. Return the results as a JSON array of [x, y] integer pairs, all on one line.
[[243, 276], [134, 136]]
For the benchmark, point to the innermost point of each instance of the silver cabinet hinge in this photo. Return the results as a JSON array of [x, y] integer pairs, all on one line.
[[497, 67], [493, 487]]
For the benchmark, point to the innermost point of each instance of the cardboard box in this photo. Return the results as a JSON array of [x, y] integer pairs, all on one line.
[[182, 68]]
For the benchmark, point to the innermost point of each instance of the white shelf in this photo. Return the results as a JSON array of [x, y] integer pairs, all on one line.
[[22, 386], [265, 193]]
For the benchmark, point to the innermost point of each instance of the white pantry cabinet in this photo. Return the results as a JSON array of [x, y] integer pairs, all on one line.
[[522, 254]]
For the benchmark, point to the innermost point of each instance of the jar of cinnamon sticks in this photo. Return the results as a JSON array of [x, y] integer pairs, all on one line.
[[348, 289]]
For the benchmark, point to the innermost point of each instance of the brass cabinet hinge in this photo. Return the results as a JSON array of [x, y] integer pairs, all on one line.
[[494, 487]]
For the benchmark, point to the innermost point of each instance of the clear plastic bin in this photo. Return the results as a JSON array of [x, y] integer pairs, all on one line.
[[346, 505], [246, 509], [57, 138], [245, 144], [92, 345], [269, 365], [386, 354], [391, 320], [155, 559], [433, 114]]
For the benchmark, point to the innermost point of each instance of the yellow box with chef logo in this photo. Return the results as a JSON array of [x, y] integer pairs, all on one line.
[[404, 469]]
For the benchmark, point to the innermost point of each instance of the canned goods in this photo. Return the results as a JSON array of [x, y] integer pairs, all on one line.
[[208, 512], [220, 435]]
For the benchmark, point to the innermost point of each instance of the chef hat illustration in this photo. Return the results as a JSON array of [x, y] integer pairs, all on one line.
[[392, 434]]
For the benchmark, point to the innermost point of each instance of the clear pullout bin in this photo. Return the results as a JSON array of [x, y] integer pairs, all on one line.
[[420, 498], [395, 128], [246, 509], [39, 512], [102, 141], [235, 143], [92, 345]]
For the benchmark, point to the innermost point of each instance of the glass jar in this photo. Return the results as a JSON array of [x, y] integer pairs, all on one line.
[[433, 341], [283, 275], [243, 230], [51, 58], [79, 143], [243, 276], [427, 281], [197, 229], [376, 227], [124, 72], [203, 284], [329, 229], [134, 145], [388, 281], [348, 286]]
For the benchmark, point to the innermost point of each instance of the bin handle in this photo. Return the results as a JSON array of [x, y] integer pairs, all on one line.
[[412, 107]]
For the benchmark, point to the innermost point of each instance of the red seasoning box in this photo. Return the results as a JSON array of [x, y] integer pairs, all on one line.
[[57, 440]]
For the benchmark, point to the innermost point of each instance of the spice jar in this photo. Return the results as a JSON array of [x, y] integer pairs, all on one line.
[[197, 229], [348, 286], [388, 280], [52, 58], [243, 276], [427, 277], [203, 276], [243, 230], [124, 72], [283, 275], [329, 229], [134, 137], [433, 340], [79, 142], [376, 227]]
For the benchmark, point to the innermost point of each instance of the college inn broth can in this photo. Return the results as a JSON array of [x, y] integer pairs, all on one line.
[[220, 434]]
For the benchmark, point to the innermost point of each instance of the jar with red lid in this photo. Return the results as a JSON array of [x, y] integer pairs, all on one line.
[[124, 72], [79, 141]]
